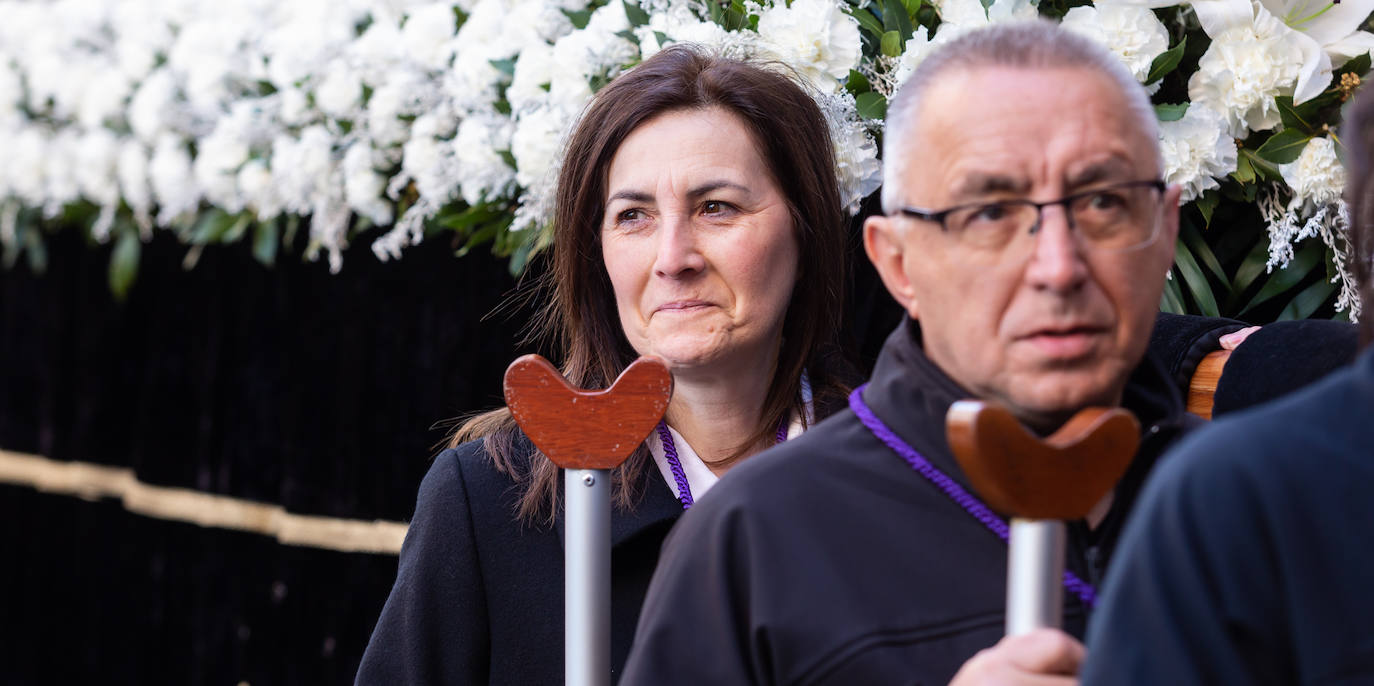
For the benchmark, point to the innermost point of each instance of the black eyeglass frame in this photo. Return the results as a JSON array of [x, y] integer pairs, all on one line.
[[939, 216]]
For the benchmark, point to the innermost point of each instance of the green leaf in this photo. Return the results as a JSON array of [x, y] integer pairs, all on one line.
[[265, 243], [635, 13], [1203, 253], [480, 236], [892, 44], [1207, 204], [1251, 267], [1195, 280], [912, 7], [238, 228], [1358, 66], [506, 67], [124, 264], [1166, 62], [1297, 116], [473, 216], [580, 18], [1244, 173], [871, 105], [1282, 280], [1172, 299], [1305, 303], [1284, 146], [1171, 112], [211, 227], [509, 158], [857, 82], [35, 250], [896, 19], [868, 22]]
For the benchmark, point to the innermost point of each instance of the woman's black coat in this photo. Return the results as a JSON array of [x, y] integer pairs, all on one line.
[[479, 594]]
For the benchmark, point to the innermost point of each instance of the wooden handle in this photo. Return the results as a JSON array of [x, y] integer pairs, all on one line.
[[1061, 477], [1202, 388], [580, 429]]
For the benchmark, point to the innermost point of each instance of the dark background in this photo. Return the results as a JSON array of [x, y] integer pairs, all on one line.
[[283, 385]]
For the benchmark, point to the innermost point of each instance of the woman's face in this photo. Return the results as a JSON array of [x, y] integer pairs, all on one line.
[[699, 243]]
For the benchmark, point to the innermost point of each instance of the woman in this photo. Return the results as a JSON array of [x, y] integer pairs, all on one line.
[[698, 219]]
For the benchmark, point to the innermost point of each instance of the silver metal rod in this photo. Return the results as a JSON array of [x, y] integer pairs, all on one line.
[[1035, 575], [587, 578]]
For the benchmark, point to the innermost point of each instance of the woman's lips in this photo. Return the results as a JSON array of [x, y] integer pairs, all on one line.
[[682, 306]]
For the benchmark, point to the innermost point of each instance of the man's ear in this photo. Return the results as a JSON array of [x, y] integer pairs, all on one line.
[[887, 251], [1168, 230]]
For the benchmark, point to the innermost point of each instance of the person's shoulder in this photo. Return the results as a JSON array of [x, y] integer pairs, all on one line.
[[1267, 446], [467, 469]]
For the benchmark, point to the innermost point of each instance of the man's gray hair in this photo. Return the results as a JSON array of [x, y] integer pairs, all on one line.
[[1033, 44]]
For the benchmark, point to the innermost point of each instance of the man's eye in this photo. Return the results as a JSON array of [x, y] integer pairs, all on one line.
[[1106, 201], [989, 213]]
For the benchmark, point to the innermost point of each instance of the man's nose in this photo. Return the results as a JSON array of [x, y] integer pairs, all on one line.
[[678, 253], [1057, 258]]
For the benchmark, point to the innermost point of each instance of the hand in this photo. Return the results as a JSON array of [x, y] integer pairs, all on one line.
[[1231, 341], [1047, 657]]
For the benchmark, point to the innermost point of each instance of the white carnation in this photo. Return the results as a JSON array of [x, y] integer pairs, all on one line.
[[1197, 150], [1317, 177], [363, 185], [26, 162], [1131, 32], [132, 173], [258, 191], [97, 157], [173, 183], [537, 142], [340, 93], [856, 155], [104, 99], [1243, 70], [428, 34], [432, 164], [484, 173], [149, 110], [533, 74], [815, 37]]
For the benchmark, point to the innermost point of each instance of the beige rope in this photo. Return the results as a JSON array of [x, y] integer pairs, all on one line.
[[93, 481]]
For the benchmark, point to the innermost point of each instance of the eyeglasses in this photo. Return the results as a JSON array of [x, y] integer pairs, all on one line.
[[1114, 218]]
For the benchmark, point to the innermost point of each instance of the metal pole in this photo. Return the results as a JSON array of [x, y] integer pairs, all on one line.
[[1035, 575], [587, 582]]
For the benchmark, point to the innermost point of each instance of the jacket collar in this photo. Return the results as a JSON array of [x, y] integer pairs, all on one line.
[[912, 395]]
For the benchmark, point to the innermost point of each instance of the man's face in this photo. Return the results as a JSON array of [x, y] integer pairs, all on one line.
[[1044, 323]]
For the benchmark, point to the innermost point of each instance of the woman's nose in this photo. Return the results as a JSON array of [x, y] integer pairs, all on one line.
[[678, 252]]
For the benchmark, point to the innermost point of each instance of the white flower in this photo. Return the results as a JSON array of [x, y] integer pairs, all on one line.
[[484, 173], [431, 163], [152, 103], [1317, 177], [533, 74], [303, 169], [258, 191], [363, 186], [104, 99], [537, 142], [26, 162], [815, 37], [132, 173], [1197, 150], [428, 34], [97, 154], [1130, 32], [957, 17], [340, 93], [1243, 70], [856, 155], [171, 178]]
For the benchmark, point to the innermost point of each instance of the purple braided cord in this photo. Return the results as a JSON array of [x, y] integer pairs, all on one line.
[[675, 465], [951, 488], [670, 453]]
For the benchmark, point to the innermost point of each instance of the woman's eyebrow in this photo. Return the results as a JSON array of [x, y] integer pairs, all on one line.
[[711, 186], [630, 195]]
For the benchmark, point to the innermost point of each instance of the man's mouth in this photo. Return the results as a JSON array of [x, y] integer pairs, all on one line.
[[1066, 342]]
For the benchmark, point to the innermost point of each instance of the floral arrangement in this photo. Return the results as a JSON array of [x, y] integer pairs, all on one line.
[[252, 119]]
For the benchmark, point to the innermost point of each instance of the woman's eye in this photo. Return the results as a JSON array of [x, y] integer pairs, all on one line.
[[713, 207], [629, 216]]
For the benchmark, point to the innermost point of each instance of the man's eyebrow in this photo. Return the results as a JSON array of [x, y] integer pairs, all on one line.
[[1108, 170], [977, 184]]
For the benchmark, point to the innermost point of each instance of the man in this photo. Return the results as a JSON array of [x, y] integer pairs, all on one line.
[[1027, 235], [1249, 559]]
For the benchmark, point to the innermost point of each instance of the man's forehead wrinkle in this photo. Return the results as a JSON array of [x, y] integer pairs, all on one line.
[[983, 183]]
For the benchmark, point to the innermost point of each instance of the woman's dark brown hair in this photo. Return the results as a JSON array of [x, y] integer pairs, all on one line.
[[1358, 137], [581, 318]]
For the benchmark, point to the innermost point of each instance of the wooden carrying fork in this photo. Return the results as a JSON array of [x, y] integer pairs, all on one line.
[[1039, 484], [587, 433]]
